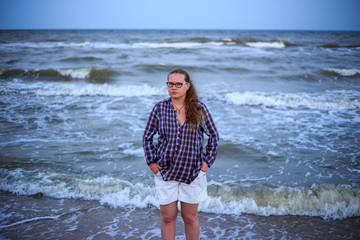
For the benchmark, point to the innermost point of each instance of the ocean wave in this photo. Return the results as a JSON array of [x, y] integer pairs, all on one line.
[[80, 89], [162, 67], [61, 44], [335, 45], [46, 44], [77, 59], [223, 41], [330, 45], [192, 43], [278, 44], [195, 42], [105, 189], [231, 41], [166, 45], [53, 40], [205, 68], [327, 201], [328, 100], [268, 44], [104, 90], [343, 71], [100, 74], [108, 45], [200, 39]]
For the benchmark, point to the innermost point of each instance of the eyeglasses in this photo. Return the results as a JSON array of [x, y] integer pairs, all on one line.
[[178, 85]]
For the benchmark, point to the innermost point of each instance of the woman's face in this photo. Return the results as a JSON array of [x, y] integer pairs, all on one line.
[[174, 92]]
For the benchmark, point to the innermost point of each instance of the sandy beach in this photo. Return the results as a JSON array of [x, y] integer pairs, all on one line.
[[38, 217]]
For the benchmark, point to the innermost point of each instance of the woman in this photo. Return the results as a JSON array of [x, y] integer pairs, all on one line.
[[178, 160]]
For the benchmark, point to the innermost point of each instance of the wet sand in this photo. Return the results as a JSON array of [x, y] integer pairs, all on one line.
[[39, 217]]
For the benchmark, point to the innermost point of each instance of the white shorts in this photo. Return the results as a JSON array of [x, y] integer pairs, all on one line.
[[170, 191]]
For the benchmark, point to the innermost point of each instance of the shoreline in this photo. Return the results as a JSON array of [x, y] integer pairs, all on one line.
[[39, 217]]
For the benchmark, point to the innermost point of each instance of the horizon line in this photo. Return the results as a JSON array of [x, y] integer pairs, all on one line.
[[179, 29]]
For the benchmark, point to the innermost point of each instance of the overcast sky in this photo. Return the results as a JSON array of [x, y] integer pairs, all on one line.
[[185, 14]]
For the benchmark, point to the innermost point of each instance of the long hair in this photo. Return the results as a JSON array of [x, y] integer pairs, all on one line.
[[194, 112]]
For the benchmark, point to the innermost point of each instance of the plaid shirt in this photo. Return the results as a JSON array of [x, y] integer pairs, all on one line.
[[179, 151]]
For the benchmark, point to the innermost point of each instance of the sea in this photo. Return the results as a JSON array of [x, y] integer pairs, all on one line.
[[74, 105]]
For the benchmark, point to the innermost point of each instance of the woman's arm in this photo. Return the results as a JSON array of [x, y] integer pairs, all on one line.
[[150, 130], [210, 130]]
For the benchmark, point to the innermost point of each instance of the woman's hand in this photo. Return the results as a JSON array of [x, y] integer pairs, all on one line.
[[204, 166], [155, 168]]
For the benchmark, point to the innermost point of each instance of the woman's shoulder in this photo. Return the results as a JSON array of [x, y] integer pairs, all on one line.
[[163, 103], [201, 103], [202, 106]]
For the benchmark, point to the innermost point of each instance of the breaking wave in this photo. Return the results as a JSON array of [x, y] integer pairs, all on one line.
[[194, 42], [60, 74], [343, 71], [77, 59], [328, 100], [335, 45], [327, 201], [279, 44], [268, 44], [79, 89]]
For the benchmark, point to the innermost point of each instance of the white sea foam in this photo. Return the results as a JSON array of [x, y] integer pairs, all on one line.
[[326, 100], [278, 44], [167, 45], [327, 201], [77, 73], [344, 72], [106, 90], [107, 190], [31, 220], [108, 45], [83, 89], [129, 149]]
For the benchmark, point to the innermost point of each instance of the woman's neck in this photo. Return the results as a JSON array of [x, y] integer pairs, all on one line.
[[178, 102]]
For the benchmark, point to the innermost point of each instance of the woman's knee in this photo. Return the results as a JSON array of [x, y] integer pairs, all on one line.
[[189, 212], [189, 218], [169, 212], [168, 218]]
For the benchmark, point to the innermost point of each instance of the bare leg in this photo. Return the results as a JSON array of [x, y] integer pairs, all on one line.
[[169, 213], [189, 215]]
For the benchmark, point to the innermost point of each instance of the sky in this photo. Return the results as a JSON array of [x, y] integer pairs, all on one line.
[[185, 14]]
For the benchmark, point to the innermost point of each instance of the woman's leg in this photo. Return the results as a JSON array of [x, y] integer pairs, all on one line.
[[189, 215], [169, 213]]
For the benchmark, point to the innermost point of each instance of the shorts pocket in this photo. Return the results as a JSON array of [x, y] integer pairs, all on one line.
[[202, 179], [202, 173]]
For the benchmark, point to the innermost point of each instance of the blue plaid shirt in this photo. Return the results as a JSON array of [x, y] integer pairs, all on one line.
[[179, 151]]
